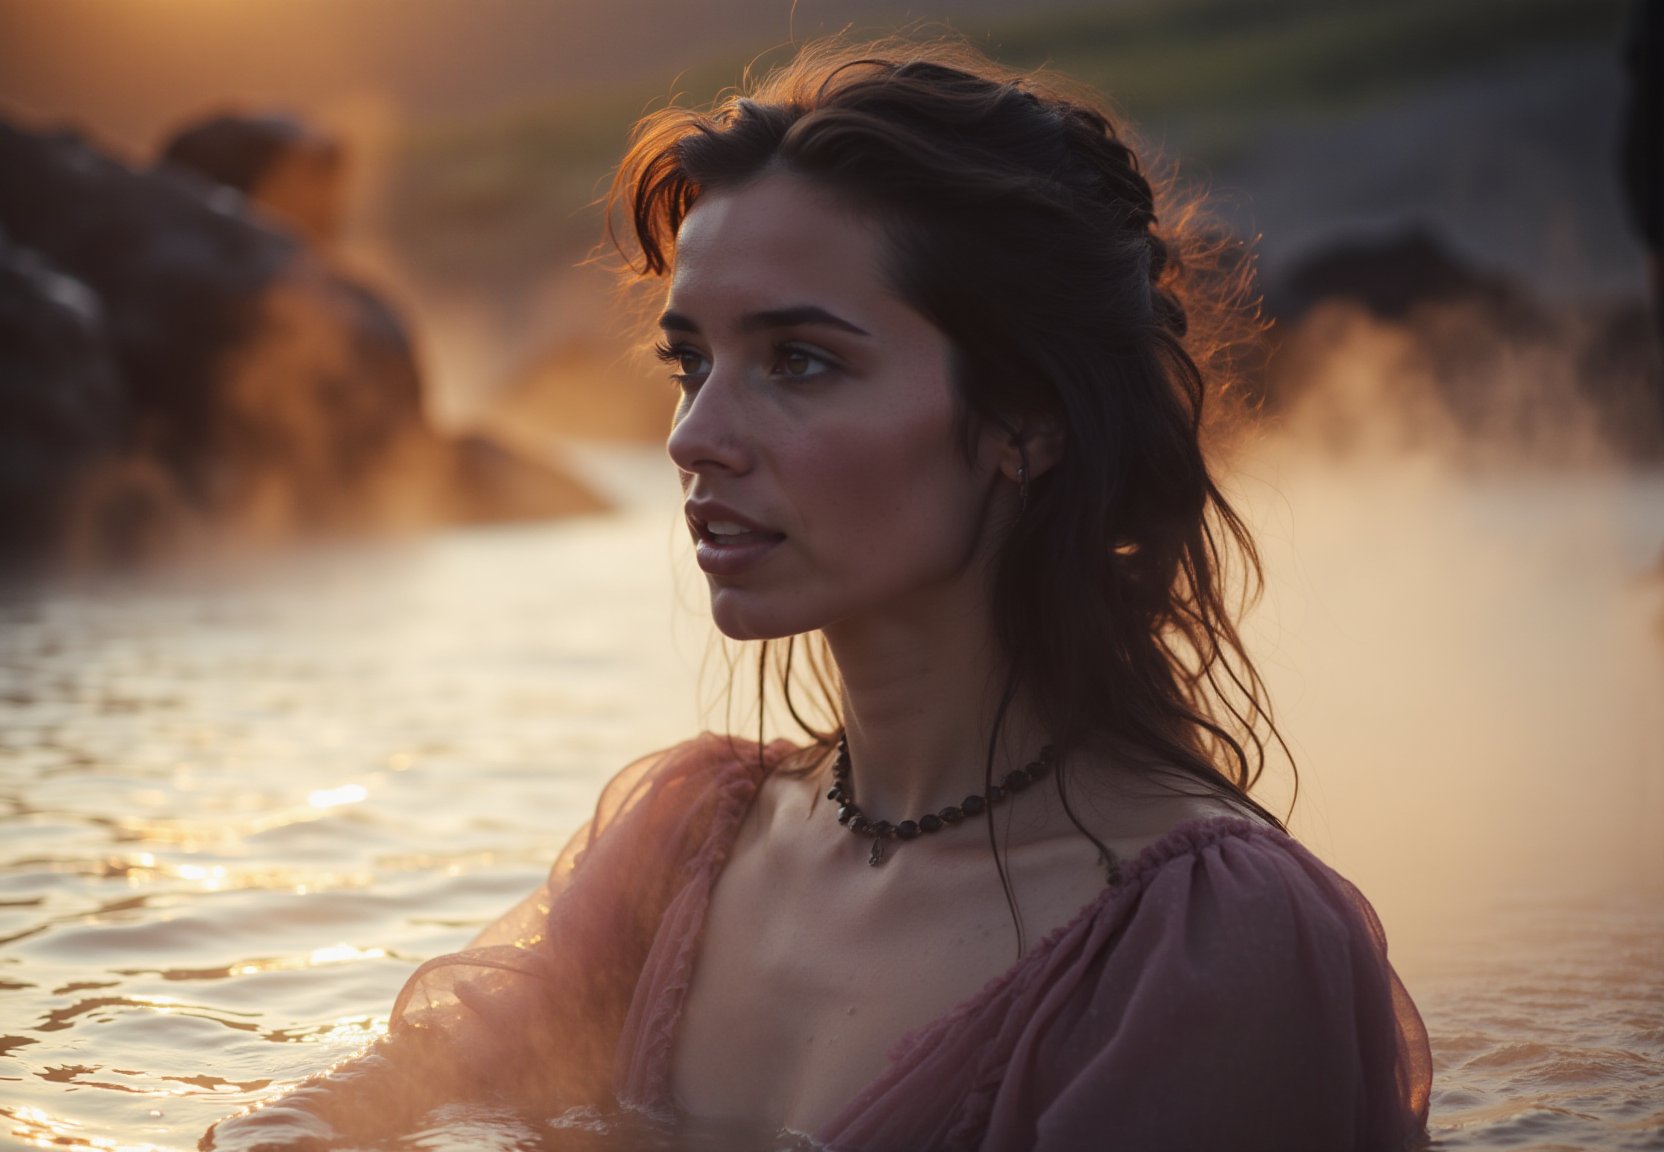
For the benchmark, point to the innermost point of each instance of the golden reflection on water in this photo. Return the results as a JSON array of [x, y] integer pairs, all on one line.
[[198, 836], [337, 797], [334, 954], [145, 871], [40, 1129], [344, 1032]]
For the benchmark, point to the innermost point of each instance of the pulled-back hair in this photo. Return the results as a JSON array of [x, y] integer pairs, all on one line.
[[1019, 221]]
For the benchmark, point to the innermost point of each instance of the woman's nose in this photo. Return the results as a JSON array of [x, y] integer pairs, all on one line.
[[708, 435]]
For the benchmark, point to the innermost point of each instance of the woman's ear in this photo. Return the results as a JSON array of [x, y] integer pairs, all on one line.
[[1035, 444]]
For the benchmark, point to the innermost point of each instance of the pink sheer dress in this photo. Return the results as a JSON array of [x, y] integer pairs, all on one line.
[[1231, 992]]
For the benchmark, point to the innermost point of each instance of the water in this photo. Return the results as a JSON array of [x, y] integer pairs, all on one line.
[[239, 806]]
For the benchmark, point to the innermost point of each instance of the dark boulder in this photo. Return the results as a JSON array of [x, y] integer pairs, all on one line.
[[242, 375], [287, 167], [1397, 342], [179, 270], [62, 410], [1389, 276]]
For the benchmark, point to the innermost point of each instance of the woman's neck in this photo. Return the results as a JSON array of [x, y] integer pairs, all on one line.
[[921, 694]]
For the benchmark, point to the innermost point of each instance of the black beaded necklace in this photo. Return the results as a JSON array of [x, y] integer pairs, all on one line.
[[850, 815]]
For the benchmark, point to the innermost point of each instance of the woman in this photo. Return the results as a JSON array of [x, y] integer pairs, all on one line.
[[939, 407]]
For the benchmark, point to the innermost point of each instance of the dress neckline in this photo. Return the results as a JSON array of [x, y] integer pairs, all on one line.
[[1182, 839]]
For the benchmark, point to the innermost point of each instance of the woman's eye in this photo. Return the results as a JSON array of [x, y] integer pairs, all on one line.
[[689, 363], [791, 360]]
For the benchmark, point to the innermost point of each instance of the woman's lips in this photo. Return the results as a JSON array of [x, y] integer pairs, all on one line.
[[731, 554], [727, 544]]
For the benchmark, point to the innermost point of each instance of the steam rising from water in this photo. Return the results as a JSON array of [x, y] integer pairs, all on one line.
[[1471, 670]]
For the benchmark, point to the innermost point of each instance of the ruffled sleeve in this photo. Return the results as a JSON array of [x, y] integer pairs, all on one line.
[[531, 1012], [1238, 997]]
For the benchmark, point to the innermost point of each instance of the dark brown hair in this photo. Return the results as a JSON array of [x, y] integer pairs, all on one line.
[[1021, 223]]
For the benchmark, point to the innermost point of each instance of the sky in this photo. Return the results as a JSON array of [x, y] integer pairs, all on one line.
[[128, 68]]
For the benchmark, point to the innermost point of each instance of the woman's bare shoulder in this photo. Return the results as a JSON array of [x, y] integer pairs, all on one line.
[[1130, 800]]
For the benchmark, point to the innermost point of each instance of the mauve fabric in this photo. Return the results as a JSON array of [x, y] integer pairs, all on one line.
[[1231, 992]]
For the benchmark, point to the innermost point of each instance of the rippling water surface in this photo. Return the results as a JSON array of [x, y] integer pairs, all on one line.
[[236, 809]]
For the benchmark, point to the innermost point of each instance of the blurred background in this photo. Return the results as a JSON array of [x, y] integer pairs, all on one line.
[[339, 553]]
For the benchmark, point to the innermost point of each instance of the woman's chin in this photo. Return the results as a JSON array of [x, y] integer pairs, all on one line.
[[739, 621], [746, 630]]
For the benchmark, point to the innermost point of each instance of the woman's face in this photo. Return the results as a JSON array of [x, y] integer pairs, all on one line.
[[826, 482]]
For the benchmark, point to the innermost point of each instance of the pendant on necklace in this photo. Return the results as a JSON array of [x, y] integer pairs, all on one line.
[[877, 856]]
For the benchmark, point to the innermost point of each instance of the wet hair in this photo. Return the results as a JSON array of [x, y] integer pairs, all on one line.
[[1020, 222]]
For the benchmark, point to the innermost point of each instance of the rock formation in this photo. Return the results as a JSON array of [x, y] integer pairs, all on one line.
[[174, 356]]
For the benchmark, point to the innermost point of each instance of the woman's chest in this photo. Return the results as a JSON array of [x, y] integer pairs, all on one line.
[[806, 980]]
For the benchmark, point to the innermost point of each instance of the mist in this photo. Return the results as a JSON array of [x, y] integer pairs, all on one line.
[[1470, 669]]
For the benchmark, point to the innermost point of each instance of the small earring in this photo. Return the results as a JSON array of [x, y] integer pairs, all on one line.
[[1022, 488]]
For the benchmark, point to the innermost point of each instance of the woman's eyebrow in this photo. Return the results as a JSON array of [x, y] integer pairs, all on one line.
[[803, 314]]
